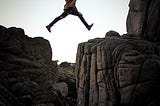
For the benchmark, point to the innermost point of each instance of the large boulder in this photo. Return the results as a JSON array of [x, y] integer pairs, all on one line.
[[118, 71], [144, 19], [27, 72], [123, 71]]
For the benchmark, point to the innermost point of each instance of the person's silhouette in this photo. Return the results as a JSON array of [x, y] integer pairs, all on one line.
[[69, 8]]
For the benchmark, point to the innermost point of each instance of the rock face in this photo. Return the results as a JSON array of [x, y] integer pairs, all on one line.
[[115, 71], [27, 73], [123, 70], [144, 19]]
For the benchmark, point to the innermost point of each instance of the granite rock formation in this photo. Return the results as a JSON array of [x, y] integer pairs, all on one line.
[[115, 71], [123, 70], [27, 73], [144, 19]]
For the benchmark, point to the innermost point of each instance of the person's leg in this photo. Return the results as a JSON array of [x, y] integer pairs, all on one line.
[[84, 22], [63, 15], [75, 12]]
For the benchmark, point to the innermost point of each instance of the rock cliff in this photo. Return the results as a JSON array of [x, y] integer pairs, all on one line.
[[123, 70], [144, 19], [28, 76]]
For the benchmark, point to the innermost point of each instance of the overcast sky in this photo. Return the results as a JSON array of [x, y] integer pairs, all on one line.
[[34, 15]]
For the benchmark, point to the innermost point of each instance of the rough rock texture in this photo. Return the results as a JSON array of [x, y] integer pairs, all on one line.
[[123, 70], [66, 74], [144, 19], [117, 71], [27, 73]]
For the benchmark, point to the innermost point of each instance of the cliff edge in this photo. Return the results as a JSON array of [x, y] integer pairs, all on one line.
[[27, 72], [123, 70]]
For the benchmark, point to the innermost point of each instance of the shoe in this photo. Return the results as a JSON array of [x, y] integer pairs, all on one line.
[[90, 26], [48, 28]]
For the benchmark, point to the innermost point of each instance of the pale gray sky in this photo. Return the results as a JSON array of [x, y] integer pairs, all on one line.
[[34, 15]]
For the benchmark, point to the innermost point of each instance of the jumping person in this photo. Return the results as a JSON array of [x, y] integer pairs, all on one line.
[[69, 8]]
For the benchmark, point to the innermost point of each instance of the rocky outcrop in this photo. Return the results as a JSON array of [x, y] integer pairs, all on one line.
[[27, 72], [123, 70], [144, 19], [118, 71]]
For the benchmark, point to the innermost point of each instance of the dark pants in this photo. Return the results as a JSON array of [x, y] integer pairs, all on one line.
[[72, 11]]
